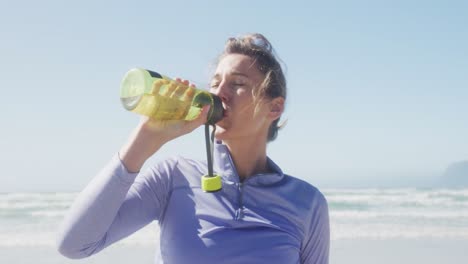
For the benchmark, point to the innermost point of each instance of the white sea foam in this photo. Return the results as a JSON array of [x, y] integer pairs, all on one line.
[[404, 198], [48, 213], [423, 214], [389, 231], [35, 200], [32, 219], [46, 236], [398, 213]]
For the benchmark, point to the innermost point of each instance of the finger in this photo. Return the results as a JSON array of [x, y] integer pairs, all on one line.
[[183, 81], [157, 86], [200, 120], [179, 91], [203, 116], [169, 89], [188, 94]]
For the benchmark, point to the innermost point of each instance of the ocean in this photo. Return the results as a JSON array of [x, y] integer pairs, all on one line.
[[366, 224]]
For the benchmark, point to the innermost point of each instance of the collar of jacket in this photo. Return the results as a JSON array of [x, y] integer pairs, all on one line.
[[224, 166]]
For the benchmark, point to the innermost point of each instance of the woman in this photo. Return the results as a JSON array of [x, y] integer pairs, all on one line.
[[260, 216]]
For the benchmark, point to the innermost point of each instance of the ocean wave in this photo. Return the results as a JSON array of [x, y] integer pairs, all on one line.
[[37, 196], [407, 198], [24, 205], [368, 215], [46, 235], [32, 219], [48, 213], [33, 205], [34, 200], [394, 231], [149, 236]]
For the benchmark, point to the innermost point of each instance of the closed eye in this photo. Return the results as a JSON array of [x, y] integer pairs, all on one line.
[[238, 84], [214, 84]]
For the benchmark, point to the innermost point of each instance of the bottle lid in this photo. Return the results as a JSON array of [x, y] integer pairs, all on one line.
[[216, 111]]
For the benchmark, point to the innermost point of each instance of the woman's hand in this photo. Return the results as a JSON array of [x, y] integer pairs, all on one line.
[[180, 91], [151, 134]]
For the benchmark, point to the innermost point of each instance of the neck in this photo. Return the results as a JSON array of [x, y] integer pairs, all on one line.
[[248, 155]]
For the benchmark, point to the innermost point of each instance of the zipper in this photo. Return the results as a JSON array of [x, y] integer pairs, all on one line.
[[240, 209], [240, 188]]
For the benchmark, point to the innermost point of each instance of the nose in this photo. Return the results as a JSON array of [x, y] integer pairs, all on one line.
[[221, 91]]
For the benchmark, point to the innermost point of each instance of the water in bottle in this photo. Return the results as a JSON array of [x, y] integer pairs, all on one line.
[[152, 94]]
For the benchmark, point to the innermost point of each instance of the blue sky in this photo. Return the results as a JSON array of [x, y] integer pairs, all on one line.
[[377, 89]]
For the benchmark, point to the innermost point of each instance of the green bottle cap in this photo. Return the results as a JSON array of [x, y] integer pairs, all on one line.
[[211, 183]]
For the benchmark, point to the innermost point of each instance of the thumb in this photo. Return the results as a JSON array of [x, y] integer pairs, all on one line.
[[204, 113], [201, 119]]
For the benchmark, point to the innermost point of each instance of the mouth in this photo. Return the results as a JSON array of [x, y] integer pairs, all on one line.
[[226, 110], [225, 115]]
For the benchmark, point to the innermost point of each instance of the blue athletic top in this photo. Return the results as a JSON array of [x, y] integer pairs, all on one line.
[[267, 218]]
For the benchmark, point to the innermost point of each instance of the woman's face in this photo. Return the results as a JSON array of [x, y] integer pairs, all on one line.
[[234, 80]]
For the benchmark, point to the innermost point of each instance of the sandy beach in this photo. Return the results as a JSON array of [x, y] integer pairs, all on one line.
[[116, 254], [342, 251], [403, 251]]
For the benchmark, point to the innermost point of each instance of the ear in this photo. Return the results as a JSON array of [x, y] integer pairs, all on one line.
[[276, 108]]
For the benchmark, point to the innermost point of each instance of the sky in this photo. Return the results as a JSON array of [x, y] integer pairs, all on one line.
[[377, 90]]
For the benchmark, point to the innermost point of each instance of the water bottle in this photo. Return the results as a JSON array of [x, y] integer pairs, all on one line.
[[151, 94]]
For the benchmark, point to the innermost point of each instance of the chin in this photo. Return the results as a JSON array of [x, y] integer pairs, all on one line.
[[224, 133], [222, 125], [220, 132]]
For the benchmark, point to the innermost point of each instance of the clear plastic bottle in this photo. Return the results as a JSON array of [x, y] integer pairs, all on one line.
[[151, 94]]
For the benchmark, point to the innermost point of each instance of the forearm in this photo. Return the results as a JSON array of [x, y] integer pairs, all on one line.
[[103, 213], [139, 147], [85, 227], [150, 135]]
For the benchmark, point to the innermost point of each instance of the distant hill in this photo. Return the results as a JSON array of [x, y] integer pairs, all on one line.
[[456, 175]]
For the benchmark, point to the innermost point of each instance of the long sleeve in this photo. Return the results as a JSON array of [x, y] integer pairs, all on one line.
[[115, 204], [316, 246]]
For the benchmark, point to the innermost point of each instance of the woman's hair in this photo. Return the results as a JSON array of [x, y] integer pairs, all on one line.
[[260, 49]]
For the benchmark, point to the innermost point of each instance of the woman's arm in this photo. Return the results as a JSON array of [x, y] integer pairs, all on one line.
[[87, 225], [116, 202]]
